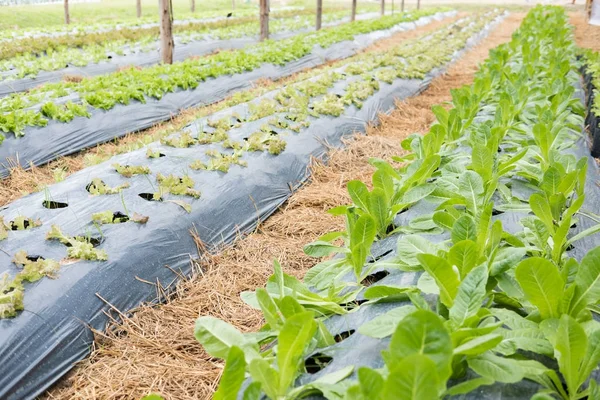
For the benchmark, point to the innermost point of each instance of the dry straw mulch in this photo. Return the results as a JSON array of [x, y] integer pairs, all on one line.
[[155, 350]]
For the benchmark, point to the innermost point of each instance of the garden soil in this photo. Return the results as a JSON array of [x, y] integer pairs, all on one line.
[[153, 350]]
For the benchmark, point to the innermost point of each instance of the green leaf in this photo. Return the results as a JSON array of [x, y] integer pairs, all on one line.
[[410, 246], [464, 229], [470, 295], [570, 344], [421, 332], [541, 208], [359, 193], [506, 258], [321, 249], [587, 282], [414, 378], [383, 291], [379, 208], [218, 336], [591, 358], [445, 276], [293, 339], [479, 344], [499, 369], [471, 188], [371, 383], [233, 375], [482, 162], [463, 255], [469, 386], [384, 325], [268, 308], [444, 220], [263, 373], [361, 239], [542, 284]]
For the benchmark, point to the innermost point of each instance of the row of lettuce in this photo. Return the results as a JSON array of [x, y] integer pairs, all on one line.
[[493, 304], [226, 141], [591, 61], [66, 100], [29, 56]]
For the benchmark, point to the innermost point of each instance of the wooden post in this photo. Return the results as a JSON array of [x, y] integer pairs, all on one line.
[[353, 16], [233, 4], [67, 17], [319, 13], [418, 4], [166, 31], [402, 6], [382, 7], [138, 8], [392, 7], [193, 6], [264, 20]]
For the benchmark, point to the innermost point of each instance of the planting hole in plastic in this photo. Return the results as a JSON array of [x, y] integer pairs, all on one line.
[[376, 277], [317, 362], [343, 335], [34, 258], [94, 241], [497, 212], [15, 227], [53, 205], [120, 216], [149, 197]]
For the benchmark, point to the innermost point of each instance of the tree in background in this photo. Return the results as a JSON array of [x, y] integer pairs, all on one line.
[[353, 16], [193, 6], [138, 8], [166, 31], [382, 7]]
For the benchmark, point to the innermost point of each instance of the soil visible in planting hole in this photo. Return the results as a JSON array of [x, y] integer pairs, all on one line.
[[14, 227], [34, 258], [497, 212], [120, 216], [353, 304], [376, 277], [343, 335], [379, 257], [94, 241], [317, 362], [52, 205], [570, 247], [149, 197], [390, 229]]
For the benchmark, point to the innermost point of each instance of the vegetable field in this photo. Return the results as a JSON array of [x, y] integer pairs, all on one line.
[[463, 262]]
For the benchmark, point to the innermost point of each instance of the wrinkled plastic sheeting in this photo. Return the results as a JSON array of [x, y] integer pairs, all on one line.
[[364, 351], [44, 144], [592, 120], [43, 342]]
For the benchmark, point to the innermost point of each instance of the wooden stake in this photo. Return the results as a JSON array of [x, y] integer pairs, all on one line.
[[138, 8], [193, 6], [402, 6], [166, 31], [353, 16], [264, 20], [382, 7], [418, 4], [319, 13], [67, 17]]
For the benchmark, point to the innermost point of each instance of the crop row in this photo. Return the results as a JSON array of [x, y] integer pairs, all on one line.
[[30, 64], [479, 287], [104, 92], [591, 61], [227, 139]]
